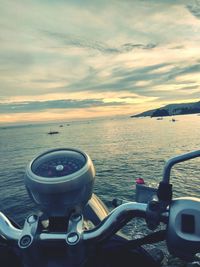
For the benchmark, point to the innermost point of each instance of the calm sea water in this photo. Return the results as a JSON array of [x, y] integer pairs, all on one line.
[[122, 150]]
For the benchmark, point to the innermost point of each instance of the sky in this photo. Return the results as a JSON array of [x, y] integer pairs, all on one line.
[[64, 60]]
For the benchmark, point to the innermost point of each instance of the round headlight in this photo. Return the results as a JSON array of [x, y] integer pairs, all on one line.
[[60, 181]]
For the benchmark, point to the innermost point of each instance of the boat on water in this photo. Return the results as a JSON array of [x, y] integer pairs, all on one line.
[[53, 132]]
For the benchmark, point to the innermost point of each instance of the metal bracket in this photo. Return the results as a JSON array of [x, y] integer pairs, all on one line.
[[75, 230], [28, 232], [153, 213], [74, 238]]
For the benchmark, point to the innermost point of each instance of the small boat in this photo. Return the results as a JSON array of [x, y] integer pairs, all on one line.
[[53, 132], [160, 118]]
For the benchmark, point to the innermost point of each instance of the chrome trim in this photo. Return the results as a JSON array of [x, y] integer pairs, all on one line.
[[29, 230], [171, 162], [75, 229], [109, 226], [7, 230], [115, 221], [52, 236], [57, 180]]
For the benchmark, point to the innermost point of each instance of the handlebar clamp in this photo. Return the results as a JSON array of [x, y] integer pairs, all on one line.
[[29, 231], [153, 213]]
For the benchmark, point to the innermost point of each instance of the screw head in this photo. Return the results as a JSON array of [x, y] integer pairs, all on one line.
[[72, 238], [25, 241], [31, 219], [76, 217], [59, 167]]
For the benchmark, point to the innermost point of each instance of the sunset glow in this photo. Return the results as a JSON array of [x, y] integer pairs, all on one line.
[[65, 60]]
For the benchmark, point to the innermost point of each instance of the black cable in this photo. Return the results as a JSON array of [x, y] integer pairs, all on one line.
[[133, 244], [149, 239]]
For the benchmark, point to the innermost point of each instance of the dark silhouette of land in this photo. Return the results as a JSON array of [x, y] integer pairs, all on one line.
[[171, 110]]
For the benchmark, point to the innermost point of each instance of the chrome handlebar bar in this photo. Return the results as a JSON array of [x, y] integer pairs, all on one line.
[[110, 225], [116, 220], [7, 230]]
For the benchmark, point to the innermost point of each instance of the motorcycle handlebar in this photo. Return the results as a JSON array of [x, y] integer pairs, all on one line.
[[7, 230], [109, 226]]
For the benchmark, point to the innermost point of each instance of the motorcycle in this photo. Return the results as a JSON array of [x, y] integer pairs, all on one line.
[[73, 227]]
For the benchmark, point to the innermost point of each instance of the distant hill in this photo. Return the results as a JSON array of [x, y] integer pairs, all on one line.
[[172, 109]]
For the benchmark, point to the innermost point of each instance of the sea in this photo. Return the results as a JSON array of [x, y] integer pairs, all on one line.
[[122, 149]]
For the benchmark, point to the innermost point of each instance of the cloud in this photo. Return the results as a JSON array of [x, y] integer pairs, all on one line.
[[194, 8], [66, 40], [188, 88], [144, 81], [15, 59], [177, 47], [54, 104], [81, 51]]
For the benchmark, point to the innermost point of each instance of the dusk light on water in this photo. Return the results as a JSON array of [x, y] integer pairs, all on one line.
[[119, 81]]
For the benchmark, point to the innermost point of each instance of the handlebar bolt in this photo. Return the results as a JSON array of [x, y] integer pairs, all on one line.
[[72, 238], [76, 217], [153, 205], [32, 219], [25, 241]]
